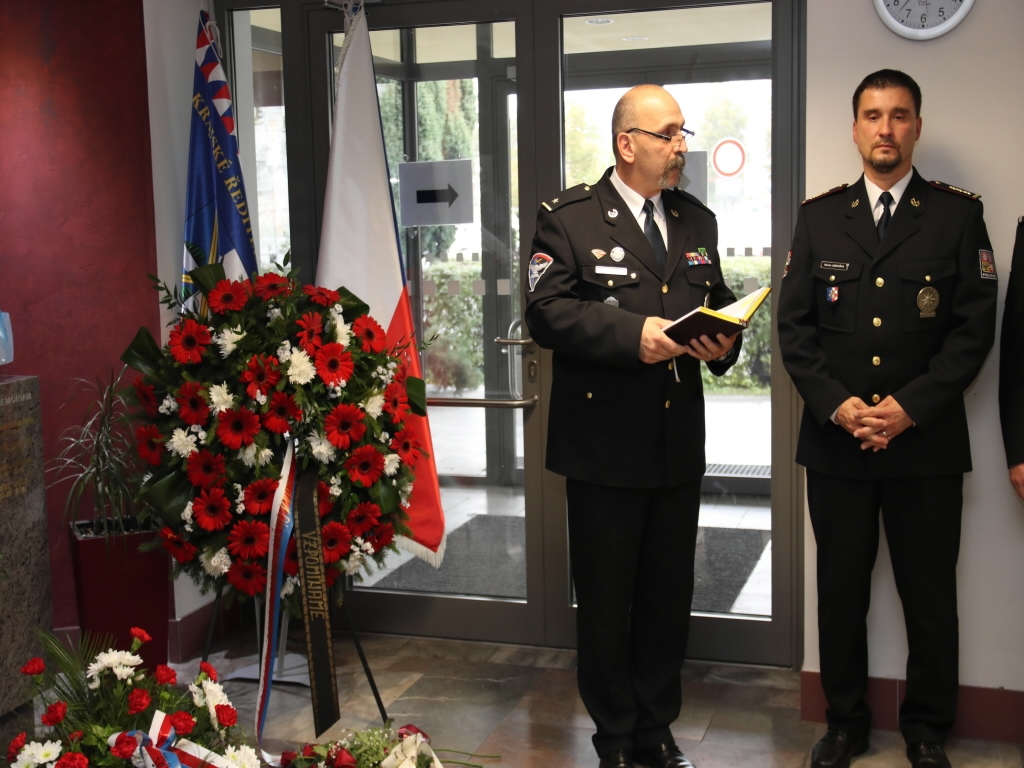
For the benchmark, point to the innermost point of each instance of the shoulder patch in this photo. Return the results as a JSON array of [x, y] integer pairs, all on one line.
[[955, 190], [566, 196], [692, 199], [832, 191]]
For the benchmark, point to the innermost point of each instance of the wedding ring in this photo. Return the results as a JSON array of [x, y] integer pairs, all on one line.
[[883, 433]]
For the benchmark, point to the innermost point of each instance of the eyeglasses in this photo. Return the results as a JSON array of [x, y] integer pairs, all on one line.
[[678, 138]]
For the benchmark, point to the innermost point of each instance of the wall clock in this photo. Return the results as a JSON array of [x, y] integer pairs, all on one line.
[[922, 19]]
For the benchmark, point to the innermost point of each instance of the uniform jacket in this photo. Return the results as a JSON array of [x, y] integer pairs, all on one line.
[[1011, 358], [855, 320], [614, 420]]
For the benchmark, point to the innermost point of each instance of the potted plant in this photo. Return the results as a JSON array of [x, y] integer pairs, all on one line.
[[99, 460]]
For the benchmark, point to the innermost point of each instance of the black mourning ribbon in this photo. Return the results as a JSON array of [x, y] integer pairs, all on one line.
[[886, 217], [654, 234]]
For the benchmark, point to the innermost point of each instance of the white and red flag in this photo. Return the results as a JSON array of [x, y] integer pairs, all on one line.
[[359, 250]]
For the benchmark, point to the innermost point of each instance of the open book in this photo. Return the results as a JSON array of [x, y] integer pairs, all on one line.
[[704, 321]]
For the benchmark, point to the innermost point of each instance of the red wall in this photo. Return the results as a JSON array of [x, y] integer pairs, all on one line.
[[76, 208]]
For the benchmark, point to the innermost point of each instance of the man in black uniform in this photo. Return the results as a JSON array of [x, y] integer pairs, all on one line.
[[612, 264], [1011, 367], [886, 314]]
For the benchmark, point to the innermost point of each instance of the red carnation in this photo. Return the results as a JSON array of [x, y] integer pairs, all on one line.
[[365, 465], [249, 578], [206, 668], [211, 509], [72, 760], [33, 666], [334, 364], [270, 285], [54, 714], [336, 540], [138, 700], [237, 427], [15, 746], [396, 402], [146, 396], [312, 326], [344, 759], [249, 540], [287, 757], [227, 296], [308, 751], [381, 537], [344, 425], [363, 518], [259, 496], [192, 407], [407, 447], [322, 296], [282, 413], [324, 500], [180, 549], [227, 715], [124, 747], [138, 633], [205, 469], [261, 375], [76, 736], [164, 675], [369, 333], [150, 443], [188, 341], [291, 558], [183, 722]]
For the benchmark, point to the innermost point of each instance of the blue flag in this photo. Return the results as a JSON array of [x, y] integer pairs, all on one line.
[[218, 224]]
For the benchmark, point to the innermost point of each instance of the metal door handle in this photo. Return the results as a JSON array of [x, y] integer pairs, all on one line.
[[484, 402], [513, 342]]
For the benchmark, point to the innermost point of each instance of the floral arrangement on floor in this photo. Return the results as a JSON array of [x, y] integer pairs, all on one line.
[[273, 361], [99, 706], [406, 747]]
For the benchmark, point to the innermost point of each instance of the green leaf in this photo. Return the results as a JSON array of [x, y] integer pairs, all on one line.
[[206, 278], [143, 354], [416, 390], [168, 493], [389, 498], [352, 305]]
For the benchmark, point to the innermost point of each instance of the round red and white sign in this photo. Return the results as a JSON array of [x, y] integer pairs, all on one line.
[[728, 157]]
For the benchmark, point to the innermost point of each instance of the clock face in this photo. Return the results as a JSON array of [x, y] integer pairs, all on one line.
[[922, 19]]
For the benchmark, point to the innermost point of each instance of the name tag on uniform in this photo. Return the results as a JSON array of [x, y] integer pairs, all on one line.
[[835, 266], [601, 270]]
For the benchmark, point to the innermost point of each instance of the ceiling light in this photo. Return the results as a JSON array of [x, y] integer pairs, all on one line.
[[598, 22], [636, 38]]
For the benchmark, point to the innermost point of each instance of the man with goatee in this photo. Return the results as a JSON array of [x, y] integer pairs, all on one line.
[[886, 314], [612, 263]]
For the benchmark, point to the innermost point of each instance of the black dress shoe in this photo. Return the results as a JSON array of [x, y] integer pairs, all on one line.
[[665, 755], [925, 755], [620, 758], [836, 749]]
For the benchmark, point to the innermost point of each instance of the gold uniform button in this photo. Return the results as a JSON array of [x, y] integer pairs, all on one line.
[[876, 322], [664, 289], [611, 283], [879, 282], [670, 366], [927, 278], [707, 283], [668, 403], [831, 278], [876, 399], [876, 360], [589, 395]]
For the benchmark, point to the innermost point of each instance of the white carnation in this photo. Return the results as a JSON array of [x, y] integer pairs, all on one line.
[[289, 585], [220, 397], [273, 313], [391, 463], [405, 492], [250, 455], [182, 443], [342, 331], [217, 563], [374, 406], [228, 339], [353, 563], [300, 368], [322, 449]]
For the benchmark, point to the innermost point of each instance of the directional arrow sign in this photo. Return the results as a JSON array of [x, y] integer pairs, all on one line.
[[439, 192]]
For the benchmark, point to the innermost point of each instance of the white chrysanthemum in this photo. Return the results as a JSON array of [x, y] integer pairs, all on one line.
[[217, 563], [228, 339], [374, 406], [353, 562], [220, 397], [250, 455], [300, 368], [182, 443], [342, 331], [186, 513], [289, 585], [214, 695], [23, 761], [273, 313], [284, 352], [391, 464], [168, 406], [38, 753], [321, 447], [405, 492], [243, 757], [121, 672], [95, 684]]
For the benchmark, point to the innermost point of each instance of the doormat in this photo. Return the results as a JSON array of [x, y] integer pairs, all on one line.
[[485, 556], [724, 561]]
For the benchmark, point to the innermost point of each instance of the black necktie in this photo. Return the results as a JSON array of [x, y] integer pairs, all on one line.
[[654, 234], [886, 217]]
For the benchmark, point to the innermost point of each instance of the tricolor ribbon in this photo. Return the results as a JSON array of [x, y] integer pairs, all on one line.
[[161, 747]]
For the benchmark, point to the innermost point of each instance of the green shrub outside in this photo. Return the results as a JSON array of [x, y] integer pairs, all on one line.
[[455, 357]]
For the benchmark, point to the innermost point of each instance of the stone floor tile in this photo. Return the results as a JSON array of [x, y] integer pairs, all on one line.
[[447, 649], [524, 744], [724, 755], [553, 700], [766, 728]]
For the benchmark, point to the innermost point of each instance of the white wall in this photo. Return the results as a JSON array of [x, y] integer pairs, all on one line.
[[972, 81]]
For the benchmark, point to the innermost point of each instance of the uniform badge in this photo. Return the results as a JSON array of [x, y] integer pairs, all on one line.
[[613, 212], [927, 301], [835, 266], [915, 202], [832, 294], [539, 264], [674, 212], [988, 265], [617, 254], [789, 258], [855, 203], [611, 301], [598, 253]]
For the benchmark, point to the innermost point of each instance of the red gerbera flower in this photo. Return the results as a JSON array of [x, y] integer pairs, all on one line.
[[151, 443], [365, 465], [396, 402], [15, 746], [138, 700], [282, 413], [188, 341], [205, 469], [54, 714], [334, 364], [309, 337], [146, 396], [407, 447], [345, 759], [183, 722], [164, 675], [34, 666], [207, 669], [336, 540], [344, 425], [363, 518], [237, 427], [369, 333], [270, 285], [180, 549], [125, 746], [401, 372], [227, 715], [291, 558], [192, 407], [381, 537], [331, 574], [324, 500], [227, 296], [249, 578], [249, 539], [211, 509], [261, 375], [259, 496], [138, 633], [322, 296]]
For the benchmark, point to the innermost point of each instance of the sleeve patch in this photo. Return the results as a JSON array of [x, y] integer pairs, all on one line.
[[987, 262], [539, 264]]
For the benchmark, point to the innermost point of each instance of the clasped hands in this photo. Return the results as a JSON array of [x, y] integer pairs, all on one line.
[[875, 426], [656, 347]]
